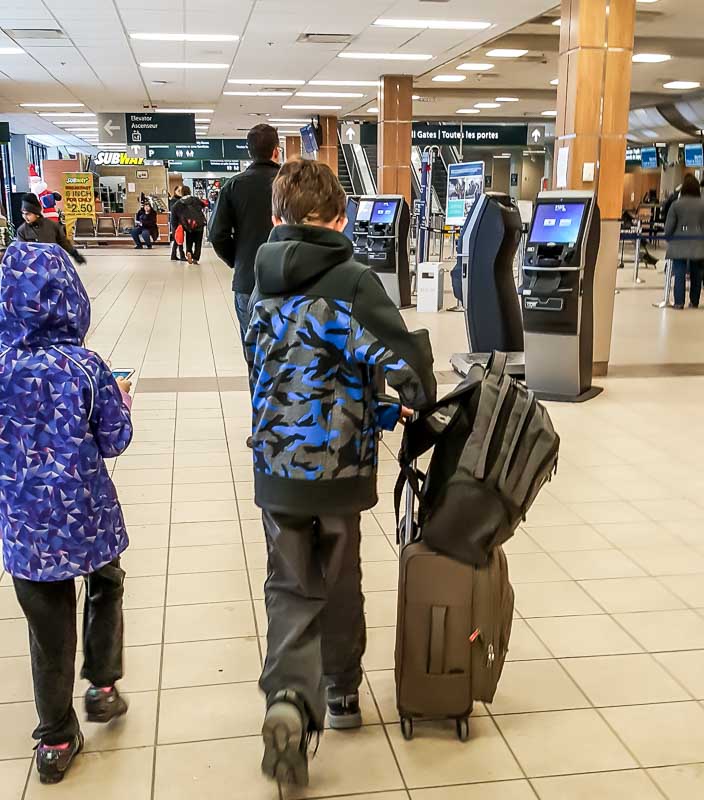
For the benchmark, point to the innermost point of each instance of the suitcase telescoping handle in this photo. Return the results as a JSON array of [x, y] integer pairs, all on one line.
[[408, 534]]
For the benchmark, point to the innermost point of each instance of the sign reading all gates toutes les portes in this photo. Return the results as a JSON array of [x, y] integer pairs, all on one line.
[[79, 198]]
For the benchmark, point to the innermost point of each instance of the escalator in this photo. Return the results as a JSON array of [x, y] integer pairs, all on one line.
[[343, 172], [371, 152]]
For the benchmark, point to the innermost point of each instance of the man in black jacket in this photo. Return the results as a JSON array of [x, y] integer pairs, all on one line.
[[37, 228], [241, 222]]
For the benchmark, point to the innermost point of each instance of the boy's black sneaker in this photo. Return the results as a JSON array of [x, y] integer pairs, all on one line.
[[286, 740], [53, 761], [343, 711], [104, 705]]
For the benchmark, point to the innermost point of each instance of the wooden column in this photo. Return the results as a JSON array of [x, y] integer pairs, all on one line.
[[395, 130], [328, 150], [596, 51], [293, 147]]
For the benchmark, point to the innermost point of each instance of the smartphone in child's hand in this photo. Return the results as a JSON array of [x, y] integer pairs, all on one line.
[[122, 374]]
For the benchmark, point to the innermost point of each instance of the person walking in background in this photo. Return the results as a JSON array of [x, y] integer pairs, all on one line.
[[37, 228], [61, 415], [684, 230], [241, 222], [146, 229], [323, 331], [188, 213], [177, 253]]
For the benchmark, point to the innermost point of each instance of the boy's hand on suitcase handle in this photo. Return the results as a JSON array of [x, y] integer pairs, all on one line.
[[406, 414]]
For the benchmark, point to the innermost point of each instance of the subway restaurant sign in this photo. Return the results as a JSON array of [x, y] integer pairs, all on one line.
[[79, 198], [107, 158]]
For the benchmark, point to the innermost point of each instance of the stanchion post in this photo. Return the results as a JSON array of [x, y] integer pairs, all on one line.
[[668, 286], [636, 267]]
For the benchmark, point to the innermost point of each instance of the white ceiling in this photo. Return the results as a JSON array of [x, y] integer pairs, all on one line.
[[98, 64]]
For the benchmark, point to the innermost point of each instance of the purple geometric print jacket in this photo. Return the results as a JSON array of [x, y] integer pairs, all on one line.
[[61, 415]]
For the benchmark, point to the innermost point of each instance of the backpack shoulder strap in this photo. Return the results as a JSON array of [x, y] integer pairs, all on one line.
[[496, 366]]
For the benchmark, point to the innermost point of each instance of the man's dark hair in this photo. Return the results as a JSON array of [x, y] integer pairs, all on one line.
[[262, 140], [690, 187], [185, 191], [308, 192]]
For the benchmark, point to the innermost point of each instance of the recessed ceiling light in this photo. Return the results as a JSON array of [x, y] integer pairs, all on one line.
[[385, 56], [507, 99], [433, 24], [557, 22], [373, 110], [75, 114], [266, 82], [449, 78], [475, 67], [273, 93], [503, 155], [289, 120], [415, 97], [683, 85], [182, 111], [506, 52], [549, 114], [651, 58], [182, 65], [207, 121], [311, 108], [487, 105], [468, 111], [344, 83], [646, 1], [329, 94], [555, 82], [52, 105], [11, 51], [184, 37]]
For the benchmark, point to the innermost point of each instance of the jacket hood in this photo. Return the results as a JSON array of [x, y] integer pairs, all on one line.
[[42, 300], [297, 254], [192, 201]]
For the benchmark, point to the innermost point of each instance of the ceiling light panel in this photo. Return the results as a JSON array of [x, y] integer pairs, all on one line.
[[385, 56], [651, 58], [682, 85], [184, 37], [468, 111], [263, 93], [502, 52], [475, 67], [52, 105], [11, 51], [507, 99], [371, 84], [311, 108], [69, 114], [330, 94], [548, 114], [487, 105], [266, 82], [449, 78], [433, 24], [182, 65]]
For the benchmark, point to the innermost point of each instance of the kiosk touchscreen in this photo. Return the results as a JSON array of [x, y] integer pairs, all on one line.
[[557, 294], [380, 239], [486, 252]]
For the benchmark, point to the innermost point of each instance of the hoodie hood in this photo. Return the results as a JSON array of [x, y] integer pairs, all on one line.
[[42, 300], [295, 255]]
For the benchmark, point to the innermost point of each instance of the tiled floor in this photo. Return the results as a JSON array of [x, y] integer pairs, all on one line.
[[601, 697]]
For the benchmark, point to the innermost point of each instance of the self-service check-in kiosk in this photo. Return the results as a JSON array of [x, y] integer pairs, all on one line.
[[487, 247], [557, 294], [380, 239]]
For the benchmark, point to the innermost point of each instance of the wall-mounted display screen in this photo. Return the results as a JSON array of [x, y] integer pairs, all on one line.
[[364, 213], [384, 212], [465, 183], [557, 223], [694, 156], [649, 158], [310, 143]]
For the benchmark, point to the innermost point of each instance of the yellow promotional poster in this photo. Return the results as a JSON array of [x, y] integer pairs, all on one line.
[[79, 198]]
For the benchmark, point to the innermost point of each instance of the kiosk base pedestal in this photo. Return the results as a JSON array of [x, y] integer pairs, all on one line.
[[462, 363], [590, 394]]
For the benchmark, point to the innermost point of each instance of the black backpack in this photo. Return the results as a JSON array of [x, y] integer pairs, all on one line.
[[191, 215], [494, 448]]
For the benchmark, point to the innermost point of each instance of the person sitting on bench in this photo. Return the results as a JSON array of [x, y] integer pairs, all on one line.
[[146, 229]]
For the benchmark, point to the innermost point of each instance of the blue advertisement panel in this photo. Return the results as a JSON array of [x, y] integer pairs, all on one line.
[[694, 156], [649, 158], [465, 183]]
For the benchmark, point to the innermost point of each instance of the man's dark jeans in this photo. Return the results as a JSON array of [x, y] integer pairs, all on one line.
[[50, 609], [314, 602], [242, 311], [695, 268]]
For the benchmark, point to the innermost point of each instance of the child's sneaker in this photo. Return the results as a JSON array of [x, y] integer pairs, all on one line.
[[104, 705], [54, 760], [286, 739], [343, 711]]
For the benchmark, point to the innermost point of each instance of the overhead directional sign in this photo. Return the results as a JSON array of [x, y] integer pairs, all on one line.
[[203, 149], [429, 133], [536, 135], [351, 133], [153, 128], [111, 128]]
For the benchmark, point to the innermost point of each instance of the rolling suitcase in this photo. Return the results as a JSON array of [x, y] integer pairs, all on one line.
[[453, 629]]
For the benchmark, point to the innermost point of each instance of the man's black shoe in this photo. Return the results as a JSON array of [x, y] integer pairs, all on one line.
[[104, 705], [53, 761]]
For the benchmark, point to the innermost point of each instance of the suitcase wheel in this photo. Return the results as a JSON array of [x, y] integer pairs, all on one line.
[[463, 729], [407, 728]]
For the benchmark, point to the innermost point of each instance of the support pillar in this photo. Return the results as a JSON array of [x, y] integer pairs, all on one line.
[[395, 131], [293, 147], [328, 150], [20, 162], [596, 51]]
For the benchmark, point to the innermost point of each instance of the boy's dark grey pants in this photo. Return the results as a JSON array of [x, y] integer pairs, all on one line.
[[314, 602]]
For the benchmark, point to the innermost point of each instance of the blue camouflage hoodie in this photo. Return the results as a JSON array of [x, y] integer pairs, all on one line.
[[61, 415]]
